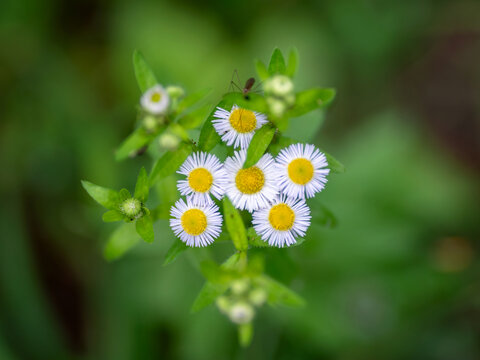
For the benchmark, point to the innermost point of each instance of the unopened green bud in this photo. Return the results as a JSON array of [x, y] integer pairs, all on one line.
[[132, 208], [169, 141], [175, 91], [257, 296], [277, 107], [223, 304], [241, 313], [239, 287], [278, 85], [150, 123]]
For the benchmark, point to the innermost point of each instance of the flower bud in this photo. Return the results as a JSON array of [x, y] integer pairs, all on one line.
[[223, 304], [241, 313], [257, 296], [150, 123], [155, 100], [278, 85], [175, 91], [239, 287], [132, 208], [277, 107], [169, 141]]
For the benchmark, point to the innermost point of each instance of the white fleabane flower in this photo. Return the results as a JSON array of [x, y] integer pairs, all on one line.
[[236, 127], [205, 175], [301, 171], [254, 187], [241, 313], [282, 222], [155, 100], [197, 225]]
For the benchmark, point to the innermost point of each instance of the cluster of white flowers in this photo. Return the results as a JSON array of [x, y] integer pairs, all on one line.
[[273, 190]]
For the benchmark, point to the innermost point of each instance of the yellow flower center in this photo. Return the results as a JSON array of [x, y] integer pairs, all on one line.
[[281, 217], [300, 171], [156, 97], [250, 181], [200, 180], [194, 222], [243, 121]]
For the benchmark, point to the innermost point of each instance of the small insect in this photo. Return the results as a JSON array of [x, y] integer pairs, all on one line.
[[248, 85]]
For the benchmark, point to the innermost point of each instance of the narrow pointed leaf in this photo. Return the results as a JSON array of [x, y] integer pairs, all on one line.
[[145, 76], [259, 144], [175, 250], [334, 165], [169, 163], [144, 227], [108, 198], [194, 119], [279, 294], [277, 63], [191, 100], [292, 63], [235, 225], [311, 99], [262, 71], [133, 143], [142, 186], [254, 239], [112, 216], [124, 194], [120, 241]]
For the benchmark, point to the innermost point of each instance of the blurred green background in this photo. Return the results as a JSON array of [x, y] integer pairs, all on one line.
[[397, 278]]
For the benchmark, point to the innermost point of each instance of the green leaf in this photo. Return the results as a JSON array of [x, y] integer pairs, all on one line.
[[194, 119], [124, 194], [144, 227], [112, 216], [134, 142], [292, 63], [145, 76], [120, 241], [334, 165], [108, 198], [279, 143], [210, 291], [207, 295], [176, 249], [142, 186], [169, 163], [322, 214], [279, 294], [191, 100], [308, 100], [245, 334], [254, 102], [235, 225], [209, 138], [262, 71], [255, 240], [277, 63], [259, 144], [216, 274]]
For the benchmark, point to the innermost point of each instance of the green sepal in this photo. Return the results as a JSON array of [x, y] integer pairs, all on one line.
[[259, 143], [292, 65], [235, 225], [169, 163], [144, 74], [277, 63], [133, 143], [174, 251], [144, 227], [112, 216], [120, 241], [142, 186], [309, 100], [108, 198]]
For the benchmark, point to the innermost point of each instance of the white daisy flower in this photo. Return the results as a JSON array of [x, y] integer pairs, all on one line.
[[283, 221], [195, 224], [155, 100], [205, 176], [236, 127], [254, 187], [301, 170]]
